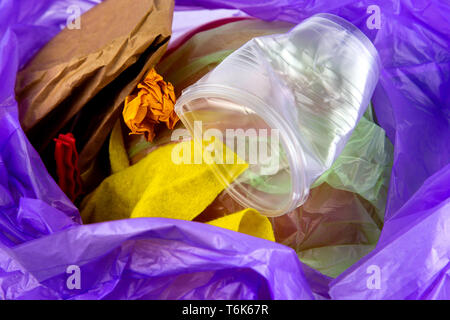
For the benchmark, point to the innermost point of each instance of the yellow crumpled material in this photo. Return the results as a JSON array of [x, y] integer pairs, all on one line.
[[154, 103], [248, 221], [157, 187]]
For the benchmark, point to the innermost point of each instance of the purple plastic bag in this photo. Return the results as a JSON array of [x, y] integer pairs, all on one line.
[[42, 241]]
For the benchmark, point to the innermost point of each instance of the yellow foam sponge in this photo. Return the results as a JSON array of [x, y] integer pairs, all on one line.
[[159, 187], [248, 221]]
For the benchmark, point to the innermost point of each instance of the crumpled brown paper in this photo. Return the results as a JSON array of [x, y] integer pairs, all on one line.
[[79, 80]]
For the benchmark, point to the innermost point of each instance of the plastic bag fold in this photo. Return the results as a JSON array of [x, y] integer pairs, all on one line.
[[41, 235]]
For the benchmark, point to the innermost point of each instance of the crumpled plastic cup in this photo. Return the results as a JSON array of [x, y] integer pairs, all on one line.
[[287, 104]]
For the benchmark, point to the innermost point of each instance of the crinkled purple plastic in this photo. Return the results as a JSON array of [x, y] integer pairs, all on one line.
[[41, 235]]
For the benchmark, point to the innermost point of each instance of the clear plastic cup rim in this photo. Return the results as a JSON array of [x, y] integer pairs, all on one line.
[[288, 139]]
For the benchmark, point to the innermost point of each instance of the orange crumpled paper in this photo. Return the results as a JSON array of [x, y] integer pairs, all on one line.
[[153, 104]]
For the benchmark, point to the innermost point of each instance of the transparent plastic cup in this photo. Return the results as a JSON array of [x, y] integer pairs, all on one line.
[[296, 96]]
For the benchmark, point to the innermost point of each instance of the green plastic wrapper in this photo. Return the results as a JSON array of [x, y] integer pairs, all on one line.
[[342, 219]]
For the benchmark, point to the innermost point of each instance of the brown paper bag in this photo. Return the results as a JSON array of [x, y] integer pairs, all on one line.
[[79, 80]]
